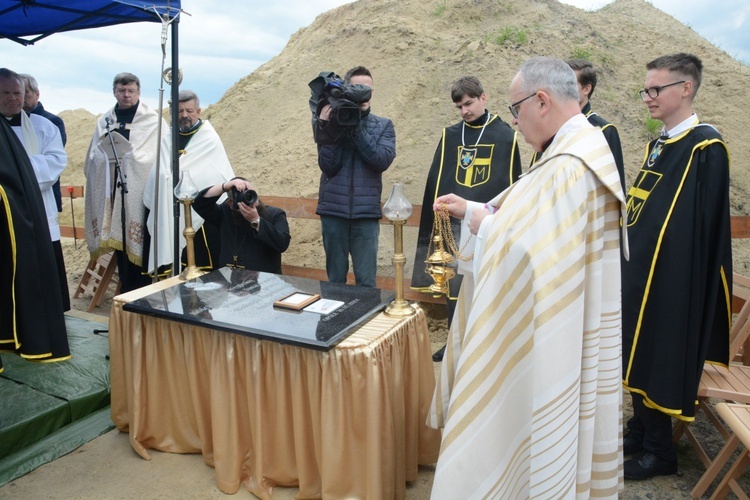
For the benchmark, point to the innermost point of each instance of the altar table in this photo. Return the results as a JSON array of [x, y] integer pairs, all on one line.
[[347, 423]]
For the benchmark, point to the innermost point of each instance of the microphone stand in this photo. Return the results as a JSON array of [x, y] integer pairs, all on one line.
[[123, 185]]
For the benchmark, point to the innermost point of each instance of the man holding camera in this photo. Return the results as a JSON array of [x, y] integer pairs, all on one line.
[[351, 184], [253, 235]]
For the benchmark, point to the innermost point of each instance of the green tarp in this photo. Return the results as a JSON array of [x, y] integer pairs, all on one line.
[[49, 409]]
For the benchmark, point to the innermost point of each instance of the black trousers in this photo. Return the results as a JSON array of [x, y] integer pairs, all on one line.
[[653, 428], [63, 277], [131, 275]]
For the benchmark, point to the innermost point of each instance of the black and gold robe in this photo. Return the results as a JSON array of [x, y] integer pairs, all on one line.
[[676, 287], [476, 172]]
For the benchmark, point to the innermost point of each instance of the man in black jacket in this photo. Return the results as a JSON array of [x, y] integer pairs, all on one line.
[[350, 190]]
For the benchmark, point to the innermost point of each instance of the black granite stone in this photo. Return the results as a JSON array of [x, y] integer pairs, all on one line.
[[241, 301]]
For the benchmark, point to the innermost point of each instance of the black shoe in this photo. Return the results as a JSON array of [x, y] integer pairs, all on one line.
[[631, 445], [646, 465], [438, 356]]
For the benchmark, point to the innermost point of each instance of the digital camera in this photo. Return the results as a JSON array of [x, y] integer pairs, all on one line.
[[248, 196]]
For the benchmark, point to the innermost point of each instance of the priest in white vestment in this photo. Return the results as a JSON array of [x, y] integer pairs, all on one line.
[[529, 396], [202, 154], [127, 135]]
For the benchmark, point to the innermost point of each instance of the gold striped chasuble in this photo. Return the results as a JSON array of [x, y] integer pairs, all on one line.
[[530, 394]]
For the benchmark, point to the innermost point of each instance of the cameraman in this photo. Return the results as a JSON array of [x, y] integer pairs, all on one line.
[[350, 190], [253, 236]]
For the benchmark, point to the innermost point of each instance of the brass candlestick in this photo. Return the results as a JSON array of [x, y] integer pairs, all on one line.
[[397, 209], [185, 191]]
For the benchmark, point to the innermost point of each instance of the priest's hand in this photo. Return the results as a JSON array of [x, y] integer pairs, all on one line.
[[455, 205], [249, 212], [477, 216]]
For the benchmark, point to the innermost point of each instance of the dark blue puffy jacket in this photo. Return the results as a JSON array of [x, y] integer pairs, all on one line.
[[351, 180]]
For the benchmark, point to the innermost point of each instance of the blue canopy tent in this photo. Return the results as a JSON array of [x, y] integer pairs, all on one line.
[[28, 21]]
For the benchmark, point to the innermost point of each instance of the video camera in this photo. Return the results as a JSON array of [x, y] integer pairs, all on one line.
[[344, 99]]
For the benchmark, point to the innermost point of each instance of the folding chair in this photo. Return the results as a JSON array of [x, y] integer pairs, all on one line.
[[737, 417], [719, 382]]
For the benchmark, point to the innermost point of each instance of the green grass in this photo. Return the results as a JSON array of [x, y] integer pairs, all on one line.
[[581, 53], [440, 8], [653, 126], [516, 35]]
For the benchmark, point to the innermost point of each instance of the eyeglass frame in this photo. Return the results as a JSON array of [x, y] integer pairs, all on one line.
[[512, 107], [647, 92]]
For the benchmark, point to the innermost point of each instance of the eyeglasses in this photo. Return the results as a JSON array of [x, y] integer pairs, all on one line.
[[653, 92], [126, 91], [514, 107]]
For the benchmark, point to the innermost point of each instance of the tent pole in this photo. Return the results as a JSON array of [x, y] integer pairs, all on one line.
[[175, 87], [154, 241]]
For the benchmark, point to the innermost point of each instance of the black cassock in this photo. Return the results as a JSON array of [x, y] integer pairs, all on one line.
[[32, 323]]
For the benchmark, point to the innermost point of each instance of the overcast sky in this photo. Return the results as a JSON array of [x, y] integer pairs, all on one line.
[[225, 40]]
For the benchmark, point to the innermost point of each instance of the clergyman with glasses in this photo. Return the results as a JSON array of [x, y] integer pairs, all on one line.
[[125, 135], [475, 158], [529, 394], [677, 286]]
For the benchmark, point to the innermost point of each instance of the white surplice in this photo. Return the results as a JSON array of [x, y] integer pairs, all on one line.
[[208, 164]]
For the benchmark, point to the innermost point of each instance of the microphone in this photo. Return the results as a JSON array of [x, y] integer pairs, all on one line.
[[108, 121]]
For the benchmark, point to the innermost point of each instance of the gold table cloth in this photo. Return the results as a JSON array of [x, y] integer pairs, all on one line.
[[347, 423]]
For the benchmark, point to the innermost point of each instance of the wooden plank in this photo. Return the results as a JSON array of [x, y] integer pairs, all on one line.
[[76, 191], [295, 208], [304, 208], [67, 232], [740, 226]]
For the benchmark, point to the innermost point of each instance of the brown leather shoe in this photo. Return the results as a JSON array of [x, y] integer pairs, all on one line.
[[646, 465]]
